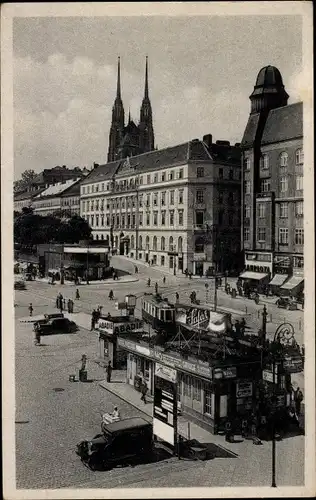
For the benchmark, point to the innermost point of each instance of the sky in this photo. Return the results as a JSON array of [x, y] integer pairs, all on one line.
[[201, 72]]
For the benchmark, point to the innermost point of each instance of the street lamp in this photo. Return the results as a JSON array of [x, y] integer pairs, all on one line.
[[283, 338]]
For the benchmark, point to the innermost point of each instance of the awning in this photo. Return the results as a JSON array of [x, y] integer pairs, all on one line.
[[278, 279], [53, 271], [292, 283], [250, 275]]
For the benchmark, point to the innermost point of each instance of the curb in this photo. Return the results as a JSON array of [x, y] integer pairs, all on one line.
[[126, 401]]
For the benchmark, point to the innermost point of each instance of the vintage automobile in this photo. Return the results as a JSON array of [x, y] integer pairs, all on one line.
[[287, 303], [119, 443], [52, 326], [19, 285]]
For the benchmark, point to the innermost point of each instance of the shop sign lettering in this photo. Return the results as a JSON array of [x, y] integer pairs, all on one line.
[[229, 372], [117, 328], [243, 389], [166, 372]]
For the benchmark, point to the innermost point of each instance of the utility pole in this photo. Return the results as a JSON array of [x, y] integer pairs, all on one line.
[[215, 295], [88, 264]]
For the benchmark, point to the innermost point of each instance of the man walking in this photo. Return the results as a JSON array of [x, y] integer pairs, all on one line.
[[31, 309], [144, 390], [109, 372], [298, 398]]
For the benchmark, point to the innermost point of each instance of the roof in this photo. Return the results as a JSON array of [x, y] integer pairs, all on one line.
[[24, 195], [269, 75], [250, 275], [284, 123], [102, 172], [127, 423], [57, 189], [73, 190]]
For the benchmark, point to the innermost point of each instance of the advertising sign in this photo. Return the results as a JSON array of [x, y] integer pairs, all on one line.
[[229, 372], [293, 364], [111, 328], [165, 404], [267, 376], [243, 389]]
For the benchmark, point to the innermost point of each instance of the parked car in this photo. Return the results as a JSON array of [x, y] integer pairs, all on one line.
[[19, 285], [119, 442], [286, 303], [54, 326]]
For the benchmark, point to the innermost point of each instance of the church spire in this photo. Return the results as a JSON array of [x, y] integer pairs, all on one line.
[[146, 96], [118, 89]]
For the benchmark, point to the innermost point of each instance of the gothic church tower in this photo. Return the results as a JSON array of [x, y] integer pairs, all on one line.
[[132, 139]]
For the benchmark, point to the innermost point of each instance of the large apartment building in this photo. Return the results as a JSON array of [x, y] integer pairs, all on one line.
[[176, 207], [273, 209]]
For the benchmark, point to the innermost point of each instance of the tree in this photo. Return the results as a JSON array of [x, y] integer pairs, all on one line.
[[73, 230], [25, 182]]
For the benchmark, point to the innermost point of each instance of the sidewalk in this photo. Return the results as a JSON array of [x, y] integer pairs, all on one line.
[[187, 429], [110, 281]]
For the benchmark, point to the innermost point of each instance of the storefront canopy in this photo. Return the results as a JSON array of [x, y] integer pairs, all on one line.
[[292, 283], [251, 275], [278, 279]]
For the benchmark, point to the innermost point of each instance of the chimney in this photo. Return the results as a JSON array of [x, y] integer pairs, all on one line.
[[207, 139]]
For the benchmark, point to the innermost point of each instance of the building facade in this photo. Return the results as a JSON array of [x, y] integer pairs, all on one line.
[[58, 197], [132, 139], [174, 207], [273, 205]]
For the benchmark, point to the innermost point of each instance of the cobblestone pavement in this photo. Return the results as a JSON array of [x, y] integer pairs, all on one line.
[[49, 423]]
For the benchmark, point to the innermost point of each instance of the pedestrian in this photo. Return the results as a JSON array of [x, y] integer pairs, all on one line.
[[144, 390], [57, 302], [190, 275], [116, 413], [100, 311], [244, 427], [148, 282], [136, 270], [156, 287], [186, 272], [164, 280], [113, 275], [31, 309], [111, 295], [242, 326], [298, 398], [77, 294], [109, 372], [71, 306], [93, 319], [237, 328], [37, 338], [228, 433], [177, 297]]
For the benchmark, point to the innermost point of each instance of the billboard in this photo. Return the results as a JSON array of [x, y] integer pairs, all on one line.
[[165, 404]]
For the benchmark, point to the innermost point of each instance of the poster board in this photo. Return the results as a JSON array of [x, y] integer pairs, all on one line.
[[165, 404]]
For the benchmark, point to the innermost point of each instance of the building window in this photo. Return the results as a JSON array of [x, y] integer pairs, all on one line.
[[148, 219], [264, 161], [283, 184], [199, 196], [220, 197], [156, 178], [128, 220], [147, 242], [207, 400], [163, 198], [298, 262], [261, 233], [140, 243], [171, 197], [163, 176], [155, 243], [133, 220], [180, 244], [299, 236], [123, 221], [261, 210], [155, 218], [163, 244], [162, 260], [283, 236], [284, 210], [196, 389], [199, 245], [199, 217], [107, 220], [265, 185], [155, 200], [148, 200], [163, 218], [171, 244], [180, 217], [200, 172], [299, 209], [171, 217], [180, 200], [283, 159], [247, 163], [247, 212], [299, 157], [171, 176], [220, 173], [181, 173], [92, 220], [148, 179], [220, 216], [246, 234], [140, 219], [97, 221], [247, 187], [299, 183], [230, 198]]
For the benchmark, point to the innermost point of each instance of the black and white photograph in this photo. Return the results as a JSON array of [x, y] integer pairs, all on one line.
[[159, 306]]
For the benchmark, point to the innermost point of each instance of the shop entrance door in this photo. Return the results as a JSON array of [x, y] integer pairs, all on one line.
[[198, 268]]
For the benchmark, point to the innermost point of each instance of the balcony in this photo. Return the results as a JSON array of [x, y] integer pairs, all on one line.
[[265, 194], [121, 188]]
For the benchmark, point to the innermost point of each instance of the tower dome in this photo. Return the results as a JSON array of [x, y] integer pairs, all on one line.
[[269, 92]]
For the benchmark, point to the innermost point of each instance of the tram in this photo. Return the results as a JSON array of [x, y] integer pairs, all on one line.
[[158, 312]]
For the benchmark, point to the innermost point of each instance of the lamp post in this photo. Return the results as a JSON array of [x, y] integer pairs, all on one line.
[[283, 337], [88, 264]]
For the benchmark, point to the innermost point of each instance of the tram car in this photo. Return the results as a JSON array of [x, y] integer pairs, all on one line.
[[159, 313]]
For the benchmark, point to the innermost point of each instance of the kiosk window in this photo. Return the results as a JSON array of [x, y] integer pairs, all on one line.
[[162, 315], [168, 316], [196, 389], [187, 382], [207, 400]]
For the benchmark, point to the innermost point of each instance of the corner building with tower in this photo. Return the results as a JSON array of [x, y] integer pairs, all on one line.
[[272, 194]]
